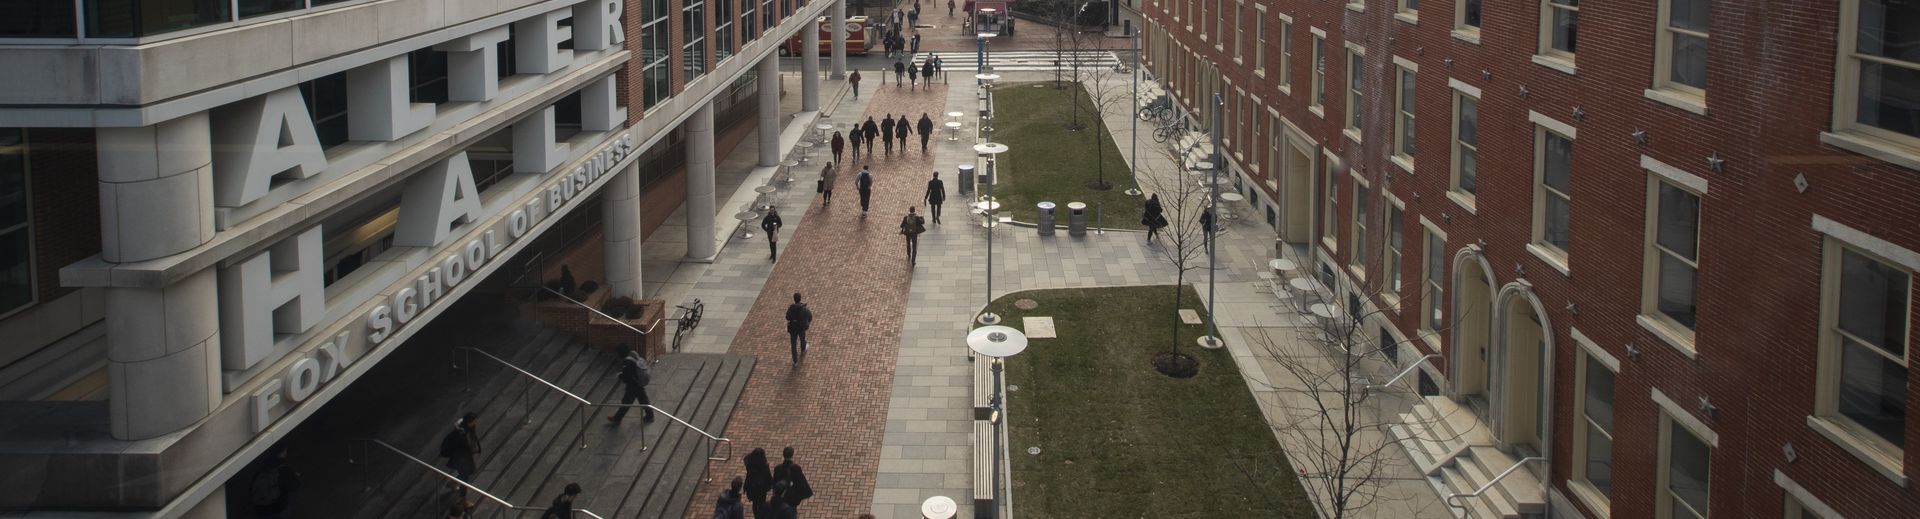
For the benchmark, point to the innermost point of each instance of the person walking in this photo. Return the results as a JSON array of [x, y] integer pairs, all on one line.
[[886, 134], [759, 481], [827, 176], [899, 71], [771, 223], [1154, 217], [900, 132], [936, 195], [634, 377], [838, 144], [926, 70], [925, 127], [728, 505], [799, 318], [911, 226], [778, 507], [854, 79], [915, 47], [798, 490], [460, 446], [913, 77], [855, 136], [863, 183], [940, 65], [274, 486], [871, 130], [949, 8], [562, 507]]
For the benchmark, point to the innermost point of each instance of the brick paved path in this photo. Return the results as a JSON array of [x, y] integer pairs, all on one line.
[[832, 408]]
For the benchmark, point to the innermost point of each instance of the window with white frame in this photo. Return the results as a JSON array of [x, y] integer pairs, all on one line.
[[1319, 88], [1410, 7], [1552, 194], [1684, 463], [1359, 256], [1390, 264], [1559, 27], [1329, 228], [1436, 269], [1219, 18], [1681, 61], [1593, 442], [1466, 144], [747, 20], [16, 240], [723, 36], [1239, 29], [1879, 64], [1864, 346], [1403, 121], [1356, 70], [656, 49], [1466, 16], [693, 53], [1259, 40], [1672, 255], [1286, 55]]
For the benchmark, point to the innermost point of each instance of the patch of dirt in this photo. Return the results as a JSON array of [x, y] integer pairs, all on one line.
[[1176, 365]]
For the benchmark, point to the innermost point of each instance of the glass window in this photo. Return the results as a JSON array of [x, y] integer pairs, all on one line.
[[260, 7], [1410, 6], [1403, 143], [1466, 143], [16, 245], [655, 51], [1239, 27], [1286, 54], [1676, 240], [427, 76], [503, 55], [1888, 61], [1355, 98], [747, 18], [1436, 268], [722, 30], [1319, 71], [1872, 327], [1556, 162], [1687, 463], [693, 24], [1470, 13], [1391, 283], [1562, 20], [1259, 40], [1359, 256], [36, 18], [1596, 465], [327, 103], [1684, 38], [1332, 187], [133, 18]]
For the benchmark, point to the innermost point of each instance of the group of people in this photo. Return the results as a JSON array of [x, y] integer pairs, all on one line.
[[886, 132], [899, 45], [772, 492], [909, 75]]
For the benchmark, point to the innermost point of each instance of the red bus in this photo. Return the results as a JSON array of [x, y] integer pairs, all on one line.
[[857, 28]]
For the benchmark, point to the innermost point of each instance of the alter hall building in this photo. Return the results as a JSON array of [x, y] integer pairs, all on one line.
[[1666, 247], [215, 216]]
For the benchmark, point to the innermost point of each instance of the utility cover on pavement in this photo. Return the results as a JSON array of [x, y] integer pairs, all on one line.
[[1189, 316], [1038, 327], [1026, 304]]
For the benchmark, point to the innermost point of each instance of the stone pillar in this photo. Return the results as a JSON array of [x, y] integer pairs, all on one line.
[[700, 240], [620, 229], [156, 200], [769, 111], [839, 51], [810, 67]]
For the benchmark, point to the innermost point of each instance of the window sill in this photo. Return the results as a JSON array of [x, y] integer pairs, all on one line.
[[1331, 246], [1392, 301], [1559, 63], [1684, 101], [1203, 37], [1404, 162], [1412, 17], [1469, 35], [1680, 342], [1260, 73], [1595, 501], [1285, 89], [1553, 259], [1318, 111], [1353, 134], [1431, 337], [1880, 461], [1870, 146], [1237, 61], [1465, 201], [1220, 47], [1358, 272], [1358, 8]]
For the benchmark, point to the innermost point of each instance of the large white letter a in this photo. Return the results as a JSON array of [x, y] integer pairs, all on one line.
[[437, 198]]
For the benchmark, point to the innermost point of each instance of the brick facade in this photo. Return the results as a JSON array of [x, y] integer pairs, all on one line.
[[1770, 95]]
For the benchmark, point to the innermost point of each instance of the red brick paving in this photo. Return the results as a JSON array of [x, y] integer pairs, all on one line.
[[832, 409]]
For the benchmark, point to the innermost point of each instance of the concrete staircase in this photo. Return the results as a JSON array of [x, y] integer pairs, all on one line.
[[1458, 454], [532, 435]]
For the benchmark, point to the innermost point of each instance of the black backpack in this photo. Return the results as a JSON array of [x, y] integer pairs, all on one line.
[[453, 444]]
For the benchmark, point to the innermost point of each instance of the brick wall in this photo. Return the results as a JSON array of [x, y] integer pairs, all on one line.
[[1770, 94]]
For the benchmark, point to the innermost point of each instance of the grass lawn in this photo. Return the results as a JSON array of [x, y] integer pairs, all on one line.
[[1117, 438], [1046, 162]]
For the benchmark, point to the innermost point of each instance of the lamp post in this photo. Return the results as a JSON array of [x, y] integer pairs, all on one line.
[[989, 208], [1217, 161], [1135, 141], [986, 112], [997, 342]]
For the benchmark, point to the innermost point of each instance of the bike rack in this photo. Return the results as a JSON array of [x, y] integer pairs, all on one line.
[[366, 461]]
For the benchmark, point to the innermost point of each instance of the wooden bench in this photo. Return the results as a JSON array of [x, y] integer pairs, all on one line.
[[983, 469], [982, 387]]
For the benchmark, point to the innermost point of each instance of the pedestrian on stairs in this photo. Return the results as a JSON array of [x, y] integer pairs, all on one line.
[[759, 481], [634, 377], [789, 474], [728, 505], [940, 65], [926, 127], [460, 446], [949, 8], [864, 183], [911, 226], [915, 47], [799, 318], [562, 507]]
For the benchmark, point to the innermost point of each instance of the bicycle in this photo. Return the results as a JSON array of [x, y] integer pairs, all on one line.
[[1169, 131], [689, 319], [1156, 111]]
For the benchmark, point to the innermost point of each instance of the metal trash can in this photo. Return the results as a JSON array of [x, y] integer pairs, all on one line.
[[966, 179], [1045, 220], [1077, 219]]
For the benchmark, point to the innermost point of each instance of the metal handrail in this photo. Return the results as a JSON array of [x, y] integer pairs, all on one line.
[[585, 404], [596, 311], [366, 460], [1403, 372], [1490, 483]]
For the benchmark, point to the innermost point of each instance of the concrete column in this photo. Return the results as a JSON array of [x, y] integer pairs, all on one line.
[[620, 229], [839, 51], [810, 67], [769, 111], [700, 242], [156, 189]]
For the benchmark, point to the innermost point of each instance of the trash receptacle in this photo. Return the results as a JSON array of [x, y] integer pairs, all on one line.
[[1077, 219], [966, 179], [1045, 219]]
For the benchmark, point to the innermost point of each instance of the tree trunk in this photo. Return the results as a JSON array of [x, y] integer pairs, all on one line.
[[1179, 280]]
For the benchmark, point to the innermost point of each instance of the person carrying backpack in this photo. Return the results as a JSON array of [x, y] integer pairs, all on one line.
[[728, 505], [911, 226], [864, 184], [460, 446], [274, 485], [634, 378], [794, 481], [562, 507], [799, 318]]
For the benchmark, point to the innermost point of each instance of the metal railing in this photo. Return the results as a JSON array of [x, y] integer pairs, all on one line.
[[1490, 483], [1403, 372], [596, 311], [366, 460], [585, 407]]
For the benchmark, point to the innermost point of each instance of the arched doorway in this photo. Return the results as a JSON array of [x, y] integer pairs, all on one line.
[[1296, 188], [1472, 323], [1525, 352]]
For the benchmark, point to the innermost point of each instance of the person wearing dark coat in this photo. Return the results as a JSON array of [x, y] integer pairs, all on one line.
[[863, 182], [926, 127], [778, 507], [1206, 220], [911, 226], [901, 131], [870, 130], [856, 136], [799, 318], [1154, 217], [899, 72], [837, 144], [634, 378], [913, 77], [853, 78], [562, 507], [771, 223], [926, 70], [936, 194], [460, 446], [886, 134], [728, 505], [759, 482], [798, 490]]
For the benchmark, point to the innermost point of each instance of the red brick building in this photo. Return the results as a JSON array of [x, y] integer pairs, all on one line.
[[1668, 246]]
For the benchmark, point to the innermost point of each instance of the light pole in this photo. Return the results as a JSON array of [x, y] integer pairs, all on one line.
[[1135, 141], [990, 209], [997, 342], [1217, 163]]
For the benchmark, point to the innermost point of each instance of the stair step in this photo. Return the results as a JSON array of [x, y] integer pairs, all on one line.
[[1478, 473], [1521, 488], [1458, 483]]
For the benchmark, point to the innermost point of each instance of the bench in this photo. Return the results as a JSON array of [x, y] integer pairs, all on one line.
[[983, 470], [982, 387]]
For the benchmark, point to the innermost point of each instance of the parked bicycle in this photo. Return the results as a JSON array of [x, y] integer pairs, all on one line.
[[689, 319], [1159, 110], [1169, 131]]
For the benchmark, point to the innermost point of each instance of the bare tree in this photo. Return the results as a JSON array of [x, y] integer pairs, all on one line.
[[1069, 41], [1344, 390], [1103, 94], [1183, 246]]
